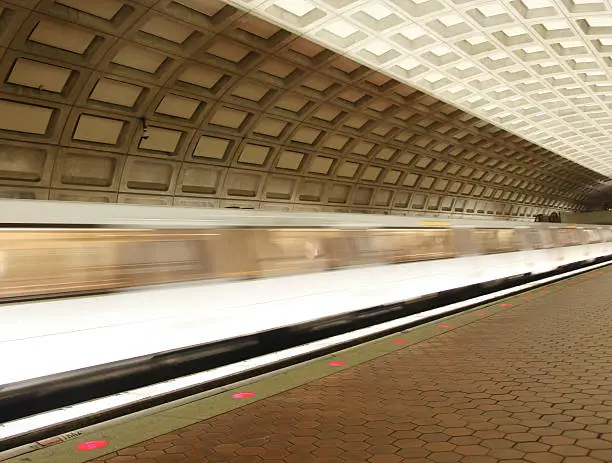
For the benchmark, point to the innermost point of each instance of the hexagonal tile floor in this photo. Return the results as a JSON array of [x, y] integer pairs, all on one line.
[[529, 381]]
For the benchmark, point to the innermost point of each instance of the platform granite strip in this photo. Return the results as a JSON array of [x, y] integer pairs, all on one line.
[[530, 381]]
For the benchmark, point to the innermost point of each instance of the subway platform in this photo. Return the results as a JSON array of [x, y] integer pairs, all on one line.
[[526, 379]]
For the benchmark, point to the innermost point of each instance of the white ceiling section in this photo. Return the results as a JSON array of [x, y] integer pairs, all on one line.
[[541, 69]]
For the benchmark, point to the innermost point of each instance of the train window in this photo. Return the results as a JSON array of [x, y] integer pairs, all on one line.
[[586, 236], [556, 237], [573, 237], [543, 235], [52, 262], [409, 245], [287, 251], [593, 236], [377, 246], [465, 243], [536, 238], [494, 241], [419, 244], [231, 254], [152, 253], [365, 246], [603, 235], [341, 248], [438, 244], [566, 236], [523, 236], [159, 259]]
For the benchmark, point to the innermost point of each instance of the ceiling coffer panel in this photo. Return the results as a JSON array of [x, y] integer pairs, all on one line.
[[242, 113]]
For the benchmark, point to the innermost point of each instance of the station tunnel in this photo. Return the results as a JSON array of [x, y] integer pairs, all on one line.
[[238, 111]]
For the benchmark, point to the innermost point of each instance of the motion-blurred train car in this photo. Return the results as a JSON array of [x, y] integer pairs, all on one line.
[[172, 277], [50, 248]]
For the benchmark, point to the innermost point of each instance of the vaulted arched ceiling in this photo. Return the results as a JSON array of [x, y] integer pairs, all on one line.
[[538, 68], [242, 113]]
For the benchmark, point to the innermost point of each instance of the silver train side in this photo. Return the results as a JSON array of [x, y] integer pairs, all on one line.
[[50, 248]]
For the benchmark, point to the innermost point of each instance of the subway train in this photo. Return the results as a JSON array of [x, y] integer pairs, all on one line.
[[120, 281], [100, 252]]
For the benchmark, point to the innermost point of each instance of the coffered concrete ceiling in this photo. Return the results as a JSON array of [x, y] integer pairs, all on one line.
[[538, 68], [242, 113]]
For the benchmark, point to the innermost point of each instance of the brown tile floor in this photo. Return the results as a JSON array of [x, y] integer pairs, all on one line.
[[532, 383]]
